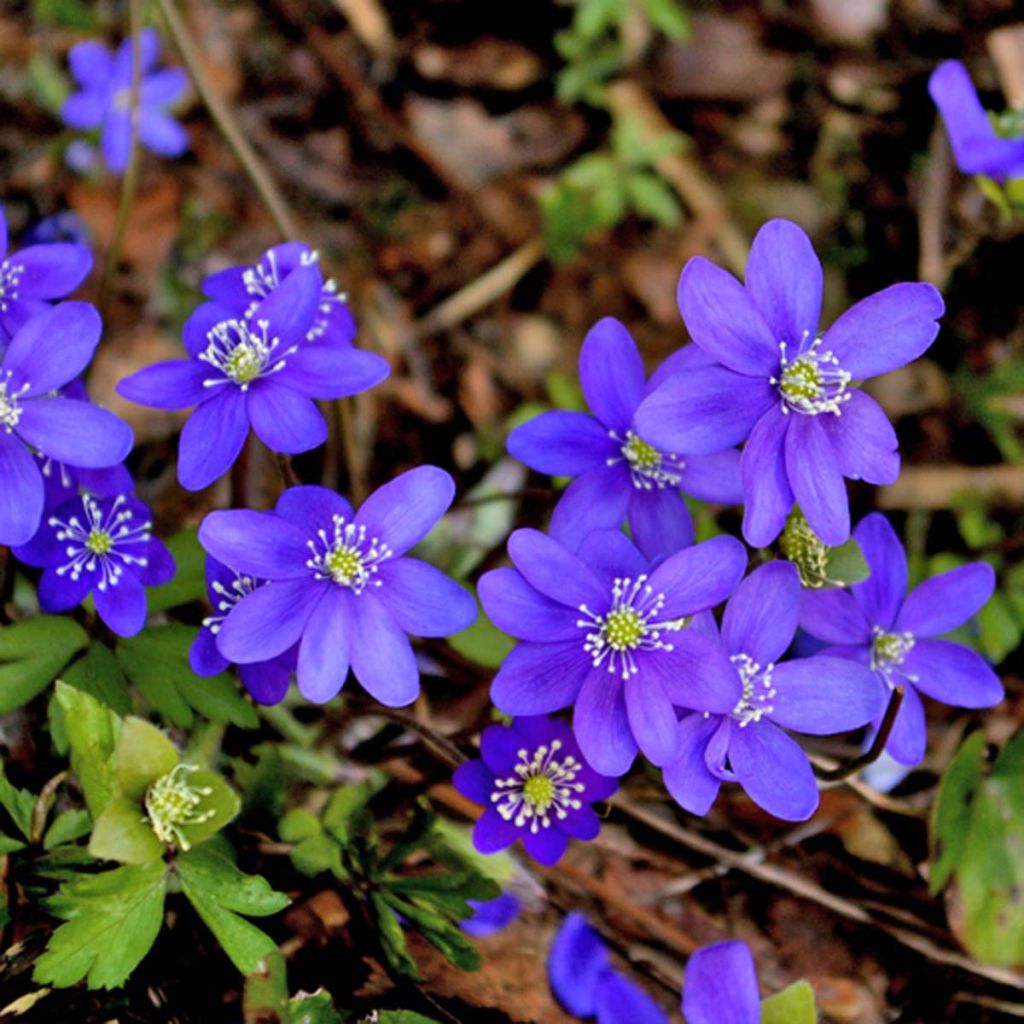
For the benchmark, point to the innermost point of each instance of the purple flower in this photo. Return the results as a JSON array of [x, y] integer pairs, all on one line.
[[241, 289], [48, 352], [604, 629], [535, 785], [267, 681], [977, 147], [104, 101], [65, 226], [785, 388], [254, 371], [721, 986], [878, 624], [618, 474], [103, 546], [491, 916], [585, 983], [339, 586], [818, 695], [33, 276]]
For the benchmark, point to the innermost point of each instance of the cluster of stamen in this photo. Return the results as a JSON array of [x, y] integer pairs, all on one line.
[[227, 597], [243, 352], [802, 546], [172, 803], [10, 404], [630, 625], [889, 651], [649, 468], [262, 279], [757, 690], [347, 555], [97, 544], [541, 787], [10, 279], [811, 381]]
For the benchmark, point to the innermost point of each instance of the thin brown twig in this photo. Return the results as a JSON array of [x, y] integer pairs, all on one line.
[[874, 752]]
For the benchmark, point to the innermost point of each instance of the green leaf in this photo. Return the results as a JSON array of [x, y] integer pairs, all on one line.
[[32, 654], [67, 827], [343, 809], [1001, 630], [144, 753], [122, 832], [92, 731], [669, 17], [440, 931], [219, 801], [18, 803], [98, 673], [266, 993], [8, 844], [392, 938], [793, 1005], [316, 1008], [65, 13], [156, 661], [403, 1017], [652, 198], [846, 565], [951, 815], [220, 892], [189, 583], [112, 922]]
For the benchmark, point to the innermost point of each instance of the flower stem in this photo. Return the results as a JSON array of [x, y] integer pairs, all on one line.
[[874, 752]]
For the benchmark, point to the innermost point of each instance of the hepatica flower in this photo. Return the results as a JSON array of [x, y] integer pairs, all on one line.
[[267, 681], [747, 744], [48, 352], [491, 916], [241, 289], [619, 475], [878, 624], [720, 986], [29, 279], [104, 99], [786, 388], [584, 981], [977, 146], [604, 630], [339, 584], [256, 371], [535, 786], [102, 546]]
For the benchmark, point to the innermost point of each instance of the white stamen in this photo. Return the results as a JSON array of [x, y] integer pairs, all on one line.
[[540, 787]]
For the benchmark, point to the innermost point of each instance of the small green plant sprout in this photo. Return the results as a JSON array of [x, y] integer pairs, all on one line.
[[600, 190], [818, 564]]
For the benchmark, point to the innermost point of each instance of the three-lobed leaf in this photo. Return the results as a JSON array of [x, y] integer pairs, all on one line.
[[32, 654]]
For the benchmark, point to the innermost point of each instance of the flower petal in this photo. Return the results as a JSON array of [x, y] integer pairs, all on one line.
[[382, 659], [521, 611], [816, 479], [724, 321], [822, 695], [91, 64], [311, 507], [611, 555], [706, 410], [555, 572], [164, 87], [284, 420], [886, 330], [52, 271], [766, 489], [474, 781], [833, 616], [651, 718], [660, 522], [720, 986], [116, 139], [611, 374], [21, 496], [946, 601], [267, 681], [54, 347], [177, 384], [122, 607], [423, 601], [953, 674], [864, 441], [58, 593], [619, 999], [491, 916], [324, 648], [601, 724], [546, 846], [203, 657], [292, 306], [84, 110], [576, 960], [714, 477], [323, 371], [597, 500], [785, 280], [258, 543], [493, 833], [699, 577], [761, 617], [402, 512], [909, 737], [212, 438], [881, 594], [536, 679], [773, 770], [562, 443], [74, 432], [696, 673], [161, 134], [687, 778], [268, 621]]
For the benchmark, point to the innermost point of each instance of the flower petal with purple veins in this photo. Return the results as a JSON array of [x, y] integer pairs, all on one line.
[[714, 477], [212, 438], [59, 592], [821, 696], [284, 420], [596, 500], [833, 616], [382, 659], [53, 348], [423, 600], [660, 522], [258, 543], [74, 432], [538, 678], [292, 306], [601, 723], [946, 601], [696, 674], [761, 617], [612, 555], [699, 577], [268, 621], [402, 512], [816, 480], [321, 371], [881, 594], [687, 778], [493, 833], [575, 962], [521, 611], [122, 607], [311, 507], [546, 846], [474, 781], [773, 770], [767, 493], [562, 443], [720, 986], [177, 384], [954, 674], [324, 648], [651, 718], [266, 681], [611, 374], [864, 441], [555, 572], [909, 737], [52, 271]]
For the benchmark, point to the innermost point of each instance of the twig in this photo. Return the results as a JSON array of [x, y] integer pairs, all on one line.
[[287, 470], [490, 285], [252, 164], [43, 804], [130, 181], [874, 752], [932, 486]]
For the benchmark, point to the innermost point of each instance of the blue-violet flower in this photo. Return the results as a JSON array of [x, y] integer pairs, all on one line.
[[819, 695], [785, 388], [535, 786], [604, 629], [339, 586], [491, 916], [879, 625], [618, 474], [104, 99], [720, 986]]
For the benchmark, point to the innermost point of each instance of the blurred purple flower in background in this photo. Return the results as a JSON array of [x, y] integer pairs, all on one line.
[[977, 146], [339, 584], [879, 625], [491, 916], [104, 99], [535, 786], [720, 986], [785, 389]]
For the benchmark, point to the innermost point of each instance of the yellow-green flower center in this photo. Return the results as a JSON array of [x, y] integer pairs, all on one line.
[[99, 542], [539, 792], [171, 803], [623, 629], [243, 365], [813, 382], [641, 454], [801, 379], [889, 649], [344, 565]]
